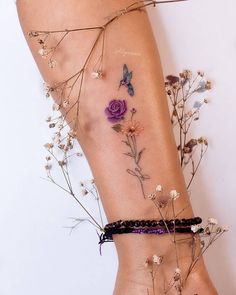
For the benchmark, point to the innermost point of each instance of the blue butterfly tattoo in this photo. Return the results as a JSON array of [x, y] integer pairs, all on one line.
[[126, 81]]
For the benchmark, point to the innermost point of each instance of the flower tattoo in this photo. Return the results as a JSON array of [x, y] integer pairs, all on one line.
[[130, 128], [116, 110]]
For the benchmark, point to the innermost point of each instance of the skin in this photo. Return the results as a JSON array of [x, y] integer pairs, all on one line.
[[120, 193]]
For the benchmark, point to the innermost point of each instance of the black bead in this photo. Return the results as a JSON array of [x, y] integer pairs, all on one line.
[[148, 223], [161, 222], [198, 220], [153, 223], [142, 223], [136, 223], [177, 222]]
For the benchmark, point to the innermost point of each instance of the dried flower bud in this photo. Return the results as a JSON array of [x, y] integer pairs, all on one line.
[[61, 146], [207, 231], [65, 103], [48, 146], [97, 74], [72, 133], [55, 107], [52, 63], [152, 196], [48, 158], [33, 34], [225, 228], [218, 230], [212, 221], [186, 74], [208, 85], [84, 192], [178, 270], [52, 125], [157, 259], [177, 274], [43, 52], [62, 163], [200, 73], [48, 167], [159, 188], [174, 195], [48, 119]]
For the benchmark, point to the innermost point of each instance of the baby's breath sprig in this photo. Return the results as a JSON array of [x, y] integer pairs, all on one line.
[[181, 90]]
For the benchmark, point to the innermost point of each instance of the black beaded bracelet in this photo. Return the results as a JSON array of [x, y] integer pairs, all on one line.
[[152, 223]]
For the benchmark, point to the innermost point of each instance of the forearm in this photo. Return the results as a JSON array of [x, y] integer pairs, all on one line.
[[129, 40]]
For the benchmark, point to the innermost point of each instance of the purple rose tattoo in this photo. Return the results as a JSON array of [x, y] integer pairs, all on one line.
[[116, 110]]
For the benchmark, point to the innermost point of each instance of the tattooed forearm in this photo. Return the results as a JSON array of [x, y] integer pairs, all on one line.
[[116, 112]]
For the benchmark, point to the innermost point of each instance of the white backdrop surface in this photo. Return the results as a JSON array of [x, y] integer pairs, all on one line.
[[37, 254]]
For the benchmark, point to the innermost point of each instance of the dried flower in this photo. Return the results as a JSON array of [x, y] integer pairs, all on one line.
[[56, 138], [62, 162], [52, 125], [225, 228], [186, 74], [55, 107], [65, 103], [152, 196], [177, 274], [52, 63], [43, 52], [97, 74], [159, 188], [48, 146], [157, 259], [47, 89], [174, 195], [48, 119], [72, 133], [84, 192], [188, 148], [201, 73], [208, 85], [33, 34], [207, 230], [172, 79], [178, 270], [212, 221], [48, 166]]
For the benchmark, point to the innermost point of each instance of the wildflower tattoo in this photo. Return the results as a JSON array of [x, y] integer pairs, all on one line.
[[130, 128]]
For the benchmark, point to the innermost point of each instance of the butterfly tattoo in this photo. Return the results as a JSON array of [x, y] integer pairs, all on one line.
[[126, 81]]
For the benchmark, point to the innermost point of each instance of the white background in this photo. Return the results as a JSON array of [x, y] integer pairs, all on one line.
[[37, 254]]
